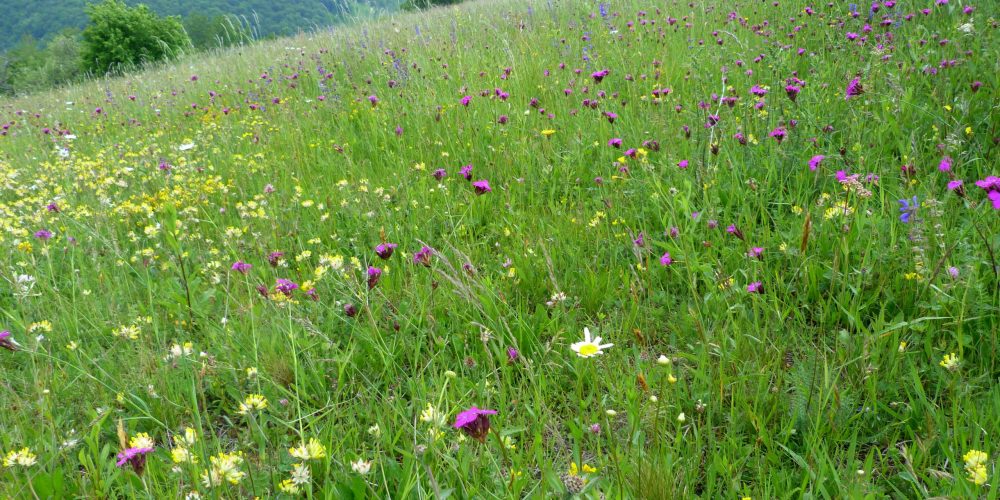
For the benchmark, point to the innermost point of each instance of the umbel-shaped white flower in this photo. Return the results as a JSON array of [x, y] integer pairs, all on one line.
[[589, 346]]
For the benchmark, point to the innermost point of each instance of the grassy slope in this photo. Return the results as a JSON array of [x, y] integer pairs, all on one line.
[[789, 391]]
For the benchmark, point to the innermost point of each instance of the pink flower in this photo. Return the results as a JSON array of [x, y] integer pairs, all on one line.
[[475, 422], [482, 186], [134, 457], [815, 161], [754, 287], [666, 260]]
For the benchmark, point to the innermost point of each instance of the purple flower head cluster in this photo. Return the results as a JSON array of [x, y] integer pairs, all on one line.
[[907, 209], [815, 162], [374, 274], [600, 75], [423, 256], [7, 341], [854, 89], [135, 458], [384, 250], [991, 185], [482, 186], [285, 286], [475, 423], [241, 267], [466, 171]]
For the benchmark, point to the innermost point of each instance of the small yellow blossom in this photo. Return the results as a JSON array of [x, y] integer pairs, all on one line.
[[253, 402], [950, 362]]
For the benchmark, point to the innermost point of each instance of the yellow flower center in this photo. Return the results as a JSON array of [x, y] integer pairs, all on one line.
[[588, 349]]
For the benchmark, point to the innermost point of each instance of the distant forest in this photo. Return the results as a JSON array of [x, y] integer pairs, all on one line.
[[41, 20]]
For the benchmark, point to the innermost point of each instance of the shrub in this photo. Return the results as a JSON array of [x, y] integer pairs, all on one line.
[[122, 36]]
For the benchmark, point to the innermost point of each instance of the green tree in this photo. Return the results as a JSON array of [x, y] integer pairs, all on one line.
[[120, 36]]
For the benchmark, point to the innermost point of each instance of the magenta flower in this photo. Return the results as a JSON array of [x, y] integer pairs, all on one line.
[[374, 274], [466, 171], [665, 260], [274, 258], [7, 341], [439, 173], [134, 457], [735, 231], [854, 89], [779, 134], [350, 310], [599, 75], [482, 186], [754, 287], [682, 164], [43, 234], [956, 184], [610, 116], [423, 256], [640, 241], [512, 355], [815, 161], [475, 423], [466, 100], [994, 197], [384, 250], [285, 286], [502, 120], [989, 184], [241, 267], [615, 143], [373, 99], [755, 252], [945, 165]]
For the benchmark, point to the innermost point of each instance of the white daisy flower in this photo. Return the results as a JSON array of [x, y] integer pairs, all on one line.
[[589, 346]]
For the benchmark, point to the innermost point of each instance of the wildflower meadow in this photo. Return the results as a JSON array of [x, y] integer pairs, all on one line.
[[516, 249]]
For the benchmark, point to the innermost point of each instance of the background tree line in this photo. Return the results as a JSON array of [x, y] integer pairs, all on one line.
[[47, 43]]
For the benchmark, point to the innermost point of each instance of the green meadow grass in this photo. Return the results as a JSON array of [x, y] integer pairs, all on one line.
[[828, 381]]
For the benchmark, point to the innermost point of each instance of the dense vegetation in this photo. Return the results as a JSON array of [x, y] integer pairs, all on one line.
[[41, 46], [42, 19], [518, 249]]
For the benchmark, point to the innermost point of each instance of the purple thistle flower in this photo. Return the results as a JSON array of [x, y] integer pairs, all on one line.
[[274, 258], [135, 458], [754, 287], [640, 241], [512, 355], [373, 99], [466, 171], [989, 184], [615, 143], [241, 267], [482, 186], [815, 161], [439, 173], [779, 134], [502, 120], [854, 89], [466, 100], [43, 234], [475, 423], [423, 256], [350, 310], [599, 75], [285, 286], [665, 259], [384, 250], [610, 116], [7, 341], [945, 165], [374, 274], [682, 164], [52, 207]]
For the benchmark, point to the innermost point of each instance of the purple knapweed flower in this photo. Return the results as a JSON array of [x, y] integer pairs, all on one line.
[[384, 250], [274, 258], [945, 165], [682, 164], [815, 161], [665, 259], [241, 267], [135, 458], [854, 89], [481, 186], [755, 252], [285, 286], [423, 256], [373, 99], [779, 134], [466, 100], [615, 143], [7, 341], [374, 274], [466, 171], [735, 231], [512, 355], [755, 287], [43, 234], [640, 241], [599, 75], [350, 310], [475, 423]]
